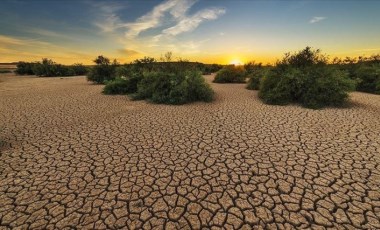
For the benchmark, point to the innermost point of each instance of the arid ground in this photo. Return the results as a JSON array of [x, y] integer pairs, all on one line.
[[74, 158]]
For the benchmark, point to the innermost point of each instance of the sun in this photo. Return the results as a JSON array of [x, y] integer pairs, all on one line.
[[236, 62]]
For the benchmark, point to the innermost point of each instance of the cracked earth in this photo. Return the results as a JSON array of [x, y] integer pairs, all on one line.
[[74, 158]]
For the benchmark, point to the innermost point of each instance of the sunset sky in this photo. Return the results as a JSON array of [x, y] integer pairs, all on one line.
[[210, 31]]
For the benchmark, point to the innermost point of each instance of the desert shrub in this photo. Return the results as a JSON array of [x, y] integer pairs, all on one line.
[[254, 81], [174, 88], [279, 86], [230, 74], [103, 71], [306, 79], [210, 68], [79, 69], [325, 86], [254, 73], [304, 58], [116, 86], [368, 78], [46, 68], [24, 68]]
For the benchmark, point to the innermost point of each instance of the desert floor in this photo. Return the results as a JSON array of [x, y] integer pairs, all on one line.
[[72, 157]]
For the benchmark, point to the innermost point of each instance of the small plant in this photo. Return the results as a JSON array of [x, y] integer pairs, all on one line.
[[254, 81], [230, 74], [210, 68], [368, 78], [255, 72], [103, 71], [116, 86], [306, 79], [79, 69], [24, 68], [170, 88]]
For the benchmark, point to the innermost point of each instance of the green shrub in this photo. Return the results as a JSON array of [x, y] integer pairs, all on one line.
[[24, 68], [279, 87], [174, 88], [210, 68], [255, 72], [78, 69], [368, 78], [230, 74], [313, 87], [254, 81], [103, 71], [304, 58], [5, 71], [326, 87], [305, 78], [48, 68], [116, 86]]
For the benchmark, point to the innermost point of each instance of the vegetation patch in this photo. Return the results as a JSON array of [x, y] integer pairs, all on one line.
[[103, 71], [305, 78], [48, 68], [231, 74], [174, 88], [368, 78], [165, 82], [254, 73]]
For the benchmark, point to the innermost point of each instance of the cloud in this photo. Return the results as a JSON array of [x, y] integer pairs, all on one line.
[[177, 8], [367, 50], [109, 21], [5, 40], [316, 19], [190, 23], [14, 48], [12, 41], [128, 52]]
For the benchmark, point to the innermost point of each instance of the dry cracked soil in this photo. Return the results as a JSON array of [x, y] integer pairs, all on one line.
[[74, 158]]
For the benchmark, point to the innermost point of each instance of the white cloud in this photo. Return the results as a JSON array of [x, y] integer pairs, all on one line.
[[178, 9], [191, 22], [316, 19], [110, 21], [149, 20]]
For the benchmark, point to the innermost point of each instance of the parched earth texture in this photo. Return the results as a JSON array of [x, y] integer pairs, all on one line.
[[74, 158]]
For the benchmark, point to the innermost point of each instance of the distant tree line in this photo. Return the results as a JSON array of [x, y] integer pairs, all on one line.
[[48, 68]]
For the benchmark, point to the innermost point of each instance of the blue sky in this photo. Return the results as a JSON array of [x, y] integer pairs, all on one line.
[[221, 31]]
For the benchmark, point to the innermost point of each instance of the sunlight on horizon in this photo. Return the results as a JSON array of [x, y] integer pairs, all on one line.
[[236, 62]]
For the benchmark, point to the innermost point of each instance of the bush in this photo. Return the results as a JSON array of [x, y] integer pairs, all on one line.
[[48, 68], [255, 72], [306, 79], [254, 81], [116, 86], [79, 69], [313, 87], [230, 74], [210, 68], [103, 71], [25, 68], [174, 88], [368, 78], [5, 71]]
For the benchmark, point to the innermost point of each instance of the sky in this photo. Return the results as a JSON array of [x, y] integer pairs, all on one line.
[[209, 31]]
